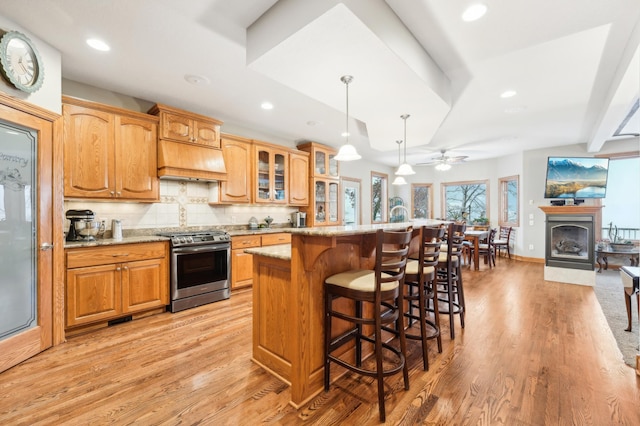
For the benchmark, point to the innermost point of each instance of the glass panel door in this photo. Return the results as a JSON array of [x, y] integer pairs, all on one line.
[[333, 202], [321, 198], [18, 255], [279, 177], [264, 179]]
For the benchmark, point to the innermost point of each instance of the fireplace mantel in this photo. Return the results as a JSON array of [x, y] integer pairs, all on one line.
[[571, 209]]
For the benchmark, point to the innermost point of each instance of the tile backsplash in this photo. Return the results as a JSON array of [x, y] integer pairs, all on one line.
[[183, 204]]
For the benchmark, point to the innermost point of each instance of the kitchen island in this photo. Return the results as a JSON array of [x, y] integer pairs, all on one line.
[[288, 310]]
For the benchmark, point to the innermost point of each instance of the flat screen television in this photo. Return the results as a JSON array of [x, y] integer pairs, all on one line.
[[576, 177]]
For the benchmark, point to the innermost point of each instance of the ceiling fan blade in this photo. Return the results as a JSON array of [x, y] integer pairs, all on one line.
[[458, 159]]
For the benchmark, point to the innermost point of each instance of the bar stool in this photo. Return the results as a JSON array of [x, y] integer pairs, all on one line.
[[449, 276], [380, 288], [420, 287]]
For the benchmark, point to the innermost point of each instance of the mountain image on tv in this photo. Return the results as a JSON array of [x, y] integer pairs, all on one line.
[[576, 177]]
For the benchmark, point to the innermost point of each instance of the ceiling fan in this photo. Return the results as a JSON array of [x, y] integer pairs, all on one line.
[[444, 162]]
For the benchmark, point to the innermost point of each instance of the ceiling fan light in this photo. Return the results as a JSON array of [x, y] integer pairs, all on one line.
[[399, 180], [347, 152], [443, 167], [405, 169]]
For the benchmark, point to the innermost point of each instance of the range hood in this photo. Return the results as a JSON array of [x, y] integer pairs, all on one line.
[[186, 161]]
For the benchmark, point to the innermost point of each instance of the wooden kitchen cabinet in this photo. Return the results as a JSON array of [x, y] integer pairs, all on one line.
[[109, 282], [324, 198], [237, 152], [242, 263], [298, 179], [323, 161], [109, 153], [271, 174], [184, 126]]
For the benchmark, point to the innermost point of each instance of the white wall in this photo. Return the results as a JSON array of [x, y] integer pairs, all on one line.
[[48, 96]]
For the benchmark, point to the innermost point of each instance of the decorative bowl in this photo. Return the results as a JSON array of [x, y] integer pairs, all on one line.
[[621, 246]]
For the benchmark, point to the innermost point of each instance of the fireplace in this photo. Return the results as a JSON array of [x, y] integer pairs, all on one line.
[[570, 241], [571, 233]]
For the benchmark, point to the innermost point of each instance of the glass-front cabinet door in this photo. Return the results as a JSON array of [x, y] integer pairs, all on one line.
[[325, 163], [271, 175], [326, 202]]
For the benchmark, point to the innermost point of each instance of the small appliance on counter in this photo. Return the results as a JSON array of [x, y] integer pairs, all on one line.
[[83, 226], [299, 219], [253, 223]]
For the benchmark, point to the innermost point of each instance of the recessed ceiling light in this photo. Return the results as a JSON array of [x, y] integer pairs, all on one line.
[[474, 12], [508, 94], [313, 123], [266, 105], [197, 80], [98, 44]]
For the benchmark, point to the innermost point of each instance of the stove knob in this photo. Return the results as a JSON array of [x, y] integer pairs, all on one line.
[[189, 239], [183, 240]]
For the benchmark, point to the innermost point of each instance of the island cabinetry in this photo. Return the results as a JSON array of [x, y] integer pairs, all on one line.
[[324, 202], [242, 263], [109, 153], [271, 174], [237, 153], [108, 282], [185, 126]]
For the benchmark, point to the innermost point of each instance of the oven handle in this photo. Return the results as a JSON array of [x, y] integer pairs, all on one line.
[[203, 249]]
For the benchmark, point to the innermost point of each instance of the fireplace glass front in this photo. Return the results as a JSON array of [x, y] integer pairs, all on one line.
[[570, 241]]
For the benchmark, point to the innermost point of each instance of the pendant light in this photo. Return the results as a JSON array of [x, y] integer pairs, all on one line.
[[347, 151], [399, 180], [405, 168]]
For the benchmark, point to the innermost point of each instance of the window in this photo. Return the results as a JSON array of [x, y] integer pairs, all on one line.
[[378, 197], [508, 204], [622, 203], [466, 201], [421, 206]]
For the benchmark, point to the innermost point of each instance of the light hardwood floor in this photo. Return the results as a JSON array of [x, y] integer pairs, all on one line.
[[532, 353]]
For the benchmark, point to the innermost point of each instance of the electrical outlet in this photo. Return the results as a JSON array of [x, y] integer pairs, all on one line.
[[531, 223], [530, 246]]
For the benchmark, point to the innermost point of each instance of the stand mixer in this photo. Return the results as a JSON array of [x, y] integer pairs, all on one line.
[[83, 227]]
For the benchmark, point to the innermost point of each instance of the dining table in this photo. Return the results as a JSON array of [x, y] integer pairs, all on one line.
[[474, 236]]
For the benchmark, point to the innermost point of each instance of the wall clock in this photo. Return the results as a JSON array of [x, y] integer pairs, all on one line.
[[20, 62]]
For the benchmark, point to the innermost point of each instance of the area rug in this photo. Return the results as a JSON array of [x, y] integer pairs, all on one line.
[[609, 292]]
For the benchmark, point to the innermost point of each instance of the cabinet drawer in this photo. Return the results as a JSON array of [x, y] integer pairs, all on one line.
[[272, 239], [92, 256], [245, 241]]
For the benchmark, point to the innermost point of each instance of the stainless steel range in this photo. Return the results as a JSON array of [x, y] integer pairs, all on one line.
[[199, 268]]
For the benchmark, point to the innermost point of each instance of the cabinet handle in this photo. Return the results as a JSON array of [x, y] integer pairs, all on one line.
[[120, 255], [126, 268], [118, 194], [112, 193], [118, 268]]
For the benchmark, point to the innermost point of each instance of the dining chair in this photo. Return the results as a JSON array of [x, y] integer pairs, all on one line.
[[380, 289], [503, 241], [487, 250], [420, 289]]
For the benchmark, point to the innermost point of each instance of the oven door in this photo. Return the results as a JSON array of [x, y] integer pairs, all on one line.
[[197, 270]]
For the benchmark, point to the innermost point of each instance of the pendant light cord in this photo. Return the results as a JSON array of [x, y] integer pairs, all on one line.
[[404, 117]]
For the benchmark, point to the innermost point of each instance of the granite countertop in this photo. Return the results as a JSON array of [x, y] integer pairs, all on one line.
[[259, 231], [110, 241], [280, 251], [333, 231]]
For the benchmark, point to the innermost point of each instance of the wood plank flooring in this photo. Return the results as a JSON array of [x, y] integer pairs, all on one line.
[[532, 353]]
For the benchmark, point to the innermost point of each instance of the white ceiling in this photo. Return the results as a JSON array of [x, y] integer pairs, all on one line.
[[574, 64]]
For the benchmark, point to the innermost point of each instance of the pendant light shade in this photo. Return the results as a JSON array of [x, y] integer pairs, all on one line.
[[405, 168], [443, 167], [347, 151], [399, 180]]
